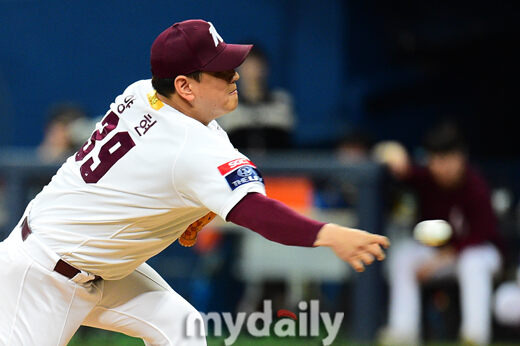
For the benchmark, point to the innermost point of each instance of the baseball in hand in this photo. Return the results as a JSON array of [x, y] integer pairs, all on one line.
[[433, 232]]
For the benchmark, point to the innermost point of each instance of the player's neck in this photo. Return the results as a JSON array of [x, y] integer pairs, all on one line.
[[182, 106]]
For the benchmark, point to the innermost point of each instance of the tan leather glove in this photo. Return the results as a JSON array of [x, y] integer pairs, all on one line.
[[189, 237]]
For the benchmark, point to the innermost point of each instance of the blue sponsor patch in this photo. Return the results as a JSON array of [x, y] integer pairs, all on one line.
[[243, 175]]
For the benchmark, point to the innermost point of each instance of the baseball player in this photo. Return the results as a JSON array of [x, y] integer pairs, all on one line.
[[447, 188], [156, 169]]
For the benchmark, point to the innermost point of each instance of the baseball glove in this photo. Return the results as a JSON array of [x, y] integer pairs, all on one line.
[[189, 237]]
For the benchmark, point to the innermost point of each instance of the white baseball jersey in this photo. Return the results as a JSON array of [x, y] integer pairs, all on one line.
[[146, 173]]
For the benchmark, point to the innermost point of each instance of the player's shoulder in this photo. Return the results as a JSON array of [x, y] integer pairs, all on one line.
[[210, 136], [140, 86], [206, 144], [143, 98], [134, 96], [476, 181], [140, 90]]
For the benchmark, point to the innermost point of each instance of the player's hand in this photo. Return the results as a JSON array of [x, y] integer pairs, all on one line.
[[357, 247], [394, 155]]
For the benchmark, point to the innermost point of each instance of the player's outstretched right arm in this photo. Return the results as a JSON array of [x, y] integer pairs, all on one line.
[[277, 222], [357, 247]]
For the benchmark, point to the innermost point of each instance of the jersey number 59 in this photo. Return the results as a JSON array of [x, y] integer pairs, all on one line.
[[94, 168]]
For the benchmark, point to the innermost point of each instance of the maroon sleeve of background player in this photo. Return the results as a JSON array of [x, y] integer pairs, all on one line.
[[274, 220], [418, 177], [480, 217]]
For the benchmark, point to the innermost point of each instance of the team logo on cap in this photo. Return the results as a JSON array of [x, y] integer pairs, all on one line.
[[214, 34]]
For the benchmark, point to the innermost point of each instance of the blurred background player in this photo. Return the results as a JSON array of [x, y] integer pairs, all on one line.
[[264, 118], [66, 129], [353, 148], [448, 188]]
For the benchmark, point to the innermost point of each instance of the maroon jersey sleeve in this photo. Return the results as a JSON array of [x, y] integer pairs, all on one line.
[[418, 177], [274, 221], [480, 217]]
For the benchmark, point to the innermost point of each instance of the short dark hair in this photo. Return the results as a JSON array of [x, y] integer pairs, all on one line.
[[166, 87], [445, 138]]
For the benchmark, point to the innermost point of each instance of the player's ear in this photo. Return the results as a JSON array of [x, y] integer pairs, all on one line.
[[183, 87]]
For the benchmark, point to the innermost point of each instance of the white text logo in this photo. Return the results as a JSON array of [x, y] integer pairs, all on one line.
[[214, 34], [304, 323]]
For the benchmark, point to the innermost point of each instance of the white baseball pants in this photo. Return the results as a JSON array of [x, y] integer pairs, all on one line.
[[507, 303], [42, 307], [474, 270]]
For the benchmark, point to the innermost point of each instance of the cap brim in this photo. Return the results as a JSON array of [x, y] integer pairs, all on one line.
[[232, 56]]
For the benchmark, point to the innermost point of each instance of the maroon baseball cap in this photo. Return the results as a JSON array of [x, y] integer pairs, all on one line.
[[194, 45]]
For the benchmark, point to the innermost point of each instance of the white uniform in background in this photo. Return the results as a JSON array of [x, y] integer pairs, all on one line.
[[506, 304], [474, 269], [144, 176]]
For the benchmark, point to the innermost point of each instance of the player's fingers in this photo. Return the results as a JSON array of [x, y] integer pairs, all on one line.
[[367, 258], [357, 264], [377, 252], [381, 240]]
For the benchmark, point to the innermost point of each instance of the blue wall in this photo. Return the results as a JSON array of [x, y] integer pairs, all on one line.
[[88, 52], [390, 68]]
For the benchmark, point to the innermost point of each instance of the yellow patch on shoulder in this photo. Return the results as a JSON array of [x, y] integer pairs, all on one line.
[[154, 100]]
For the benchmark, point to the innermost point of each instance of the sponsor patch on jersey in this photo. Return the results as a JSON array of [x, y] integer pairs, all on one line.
[[239, 172], [154, 100], [231, 165]]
